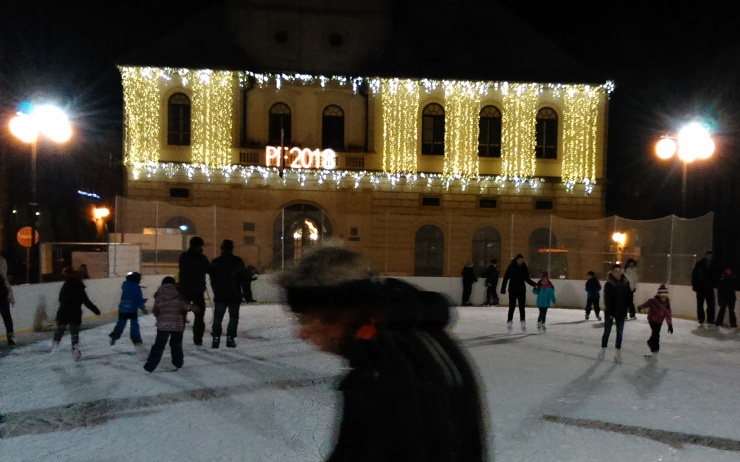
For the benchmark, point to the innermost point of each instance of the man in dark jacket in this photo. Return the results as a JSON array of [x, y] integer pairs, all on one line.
[[192, 284], [617, 297], [468, 279], [410, 393], [516, 275], [228, 274], [491, 276], [703, 281]]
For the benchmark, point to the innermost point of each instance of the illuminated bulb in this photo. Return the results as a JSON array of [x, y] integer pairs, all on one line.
[[665, 148]]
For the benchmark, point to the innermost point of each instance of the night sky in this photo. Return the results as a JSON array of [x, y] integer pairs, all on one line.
[[672, 61]]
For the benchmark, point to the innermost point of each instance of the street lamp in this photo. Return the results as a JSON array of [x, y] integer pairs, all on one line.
[[693, 142], [45, 120]]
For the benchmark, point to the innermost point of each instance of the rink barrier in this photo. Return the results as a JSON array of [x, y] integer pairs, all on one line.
[[36, 304]]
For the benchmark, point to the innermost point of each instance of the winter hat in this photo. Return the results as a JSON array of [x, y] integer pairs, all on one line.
[[196, 241], [591, 273], [662, 291], [168, 280], [518, 256], [545, 274], [227, 245]]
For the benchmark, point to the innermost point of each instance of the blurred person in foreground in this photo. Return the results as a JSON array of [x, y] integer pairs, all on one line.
[[411, 393]]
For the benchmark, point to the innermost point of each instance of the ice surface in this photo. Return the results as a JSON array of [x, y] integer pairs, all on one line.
[[549, 395]]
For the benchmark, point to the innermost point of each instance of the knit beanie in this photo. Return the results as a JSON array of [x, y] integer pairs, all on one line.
[[662, 291]]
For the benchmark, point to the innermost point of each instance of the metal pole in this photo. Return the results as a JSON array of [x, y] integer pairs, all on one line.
[[31, 253], [683, 191], [549, 246], [282, 241], [156, 234]]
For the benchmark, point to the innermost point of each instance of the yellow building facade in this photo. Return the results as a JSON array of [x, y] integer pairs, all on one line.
[[418, 175]]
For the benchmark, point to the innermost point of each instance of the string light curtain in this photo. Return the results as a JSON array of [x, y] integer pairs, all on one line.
[[462, 107], [519, 130], [141, 115], [580, 118], [213, 117], [400, 106]]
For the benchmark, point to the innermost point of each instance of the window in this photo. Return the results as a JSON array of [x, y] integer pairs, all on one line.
[[280, 122], [178, 120], [430, 201], [433, 130], [247, 226], [180, 192], [332, 128], [544, 255], [543, 205], [547, 134], [486, 246], [487, 203], [489, 137], [429, 251]]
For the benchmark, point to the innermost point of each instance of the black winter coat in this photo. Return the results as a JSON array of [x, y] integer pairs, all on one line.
[[617, 296], [468, 276], [193, 269], [491, 275], [726, 288], [703, 277], [228, 273], [516, 275], [72, 296]]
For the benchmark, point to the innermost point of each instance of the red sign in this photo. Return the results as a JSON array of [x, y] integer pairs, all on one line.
[[24, 236]]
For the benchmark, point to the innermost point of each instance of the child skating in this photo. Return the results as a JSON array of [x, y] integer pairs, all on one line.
[[132, 300], [72, 296], [659, 310], [593, 295], [170, 309], [545, 292]]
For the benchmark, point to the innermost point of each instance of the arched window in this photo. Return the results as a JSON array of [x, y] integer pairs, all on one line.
[[178, 120], [547, 134], [332, 128], [433, 130], [489, 137], [544, 255], [295, 230], [486, 246], [279, 125], [429, 251]]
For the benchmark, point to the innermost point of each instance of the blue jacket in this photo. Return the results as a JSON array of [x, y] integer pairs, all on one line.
[[132, 299], [545, 296]]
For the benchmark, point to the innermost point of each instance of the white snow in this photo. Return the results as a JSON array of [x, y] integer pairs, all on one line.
[[273, 399]]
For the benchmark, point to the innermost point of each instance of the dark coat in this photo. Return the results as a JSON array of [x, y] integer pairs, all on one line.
[[593, 288], [72, 296], [468, 276], [228, 274], [193, 268], [411, 393], [703, 277], [170, 308], [658, 311], [515, 276], [617, 296], [490, 274], [726, 288]]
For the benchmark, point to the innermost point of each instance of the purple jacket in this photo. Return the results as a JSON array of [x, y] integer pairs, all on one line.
[[170, 309]]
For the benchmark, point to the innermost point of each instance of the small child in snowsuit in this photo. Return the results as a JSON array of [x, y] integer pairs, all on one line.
[[132, 300], [659, 310], [545, 292], [593, 295], [169, 308], [72, 296]]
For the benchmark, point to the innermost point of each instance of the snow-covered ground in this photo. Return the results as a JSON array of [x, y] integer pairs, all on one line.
[[550, 396]]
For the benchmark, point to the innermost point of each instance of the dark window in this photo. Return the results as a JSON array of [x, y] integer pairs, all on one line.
[[433, 130], [354, 232], [486, 246], [547, 134], [247, 226], [248, 240], [179, 192], [430, 201], [489, 137], [429, 251], [487, 203], [543, 205], [280, 123], [178, 120], [332, 128]]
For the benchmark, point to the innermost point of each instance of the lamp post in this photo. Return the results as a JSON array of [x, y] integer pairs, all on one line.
[[46, 120], [693, 142]]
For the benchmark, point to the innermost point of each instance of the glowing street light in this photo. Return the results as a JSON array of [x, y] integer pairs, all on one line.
[[693, 142], [50, 122]]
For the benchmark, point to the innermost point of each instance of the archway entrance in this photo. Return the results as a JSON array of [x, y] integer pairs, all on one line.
[[295, 230]]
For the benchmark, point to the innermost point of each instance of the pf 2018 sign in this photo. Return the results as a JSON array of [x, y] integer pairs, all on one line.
[[303, 158]]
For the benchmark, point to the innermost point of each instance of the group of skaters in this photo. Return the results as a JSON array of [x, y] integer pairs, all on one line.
[[619, 297]]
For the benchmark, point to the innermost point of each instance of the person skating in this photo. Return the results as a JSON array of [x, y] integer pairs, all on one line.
[[228, 276], [72, 296], [630, 272], [193, 266], [169, 308], [6, 301], [702, 282], [545, 292], [658, 310], [468, 279], [516, 275], [617, 294], [726, 297], [490, 275], [593, 295], [409, 394], [132, 300]]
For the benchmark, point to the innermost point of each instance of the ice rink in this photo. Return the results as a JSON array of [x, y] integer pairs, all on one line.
[[550, 396]]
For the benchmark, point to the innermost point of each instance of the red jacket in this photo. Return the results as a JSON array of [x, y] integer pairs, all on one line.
[[658, 311]]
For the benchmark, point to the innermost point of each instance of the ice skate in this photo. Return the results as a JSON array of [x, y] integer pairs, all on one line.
[[76, 353], [524, 326], [587, 316], [230, 343], [509, 325], [216, 341], [539, 325], [54, 346], [602, 354], [618, 357], [11, 341], [598, 318]]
